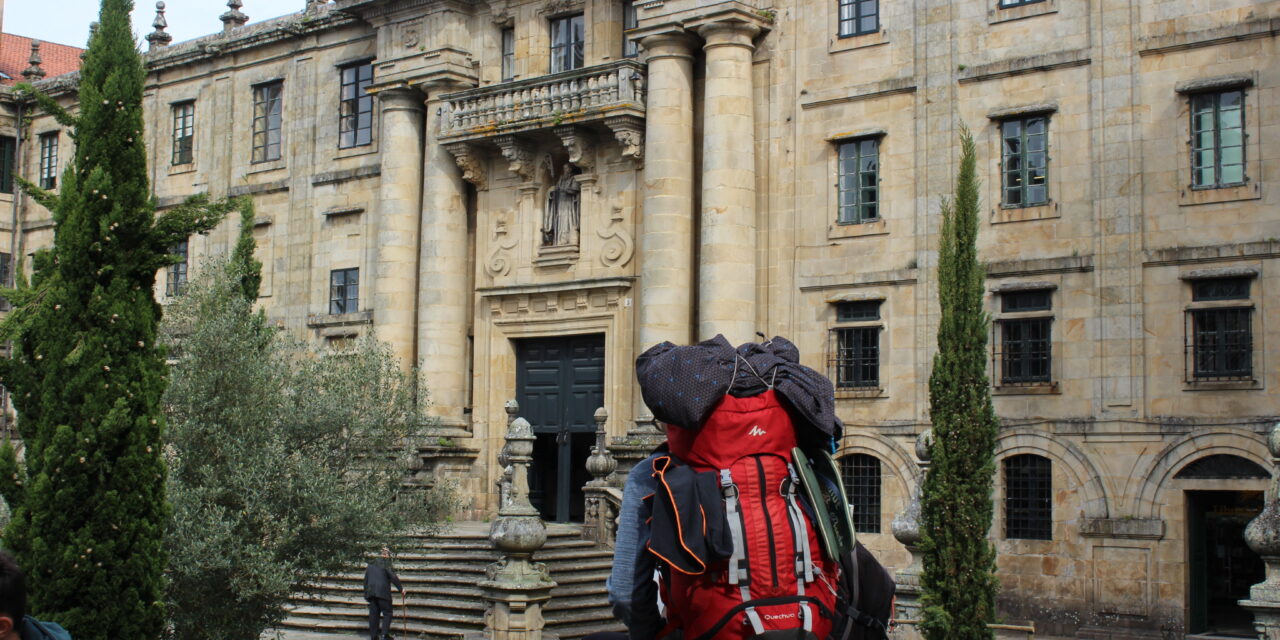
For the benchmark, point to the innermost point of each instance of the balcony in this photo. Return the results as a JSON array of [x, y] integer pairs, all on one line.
[[610, 94]]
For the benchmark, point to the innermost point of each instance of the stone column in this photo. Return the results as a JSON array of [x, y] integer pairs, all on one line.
[[906, 529], [727, 273], [395, 241], [666, 227], [443, 278], [1263, 536]]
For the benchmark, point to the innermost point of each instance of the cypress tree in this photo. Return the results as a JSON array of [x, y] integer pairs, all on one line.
[[959, 561], [87, 374]]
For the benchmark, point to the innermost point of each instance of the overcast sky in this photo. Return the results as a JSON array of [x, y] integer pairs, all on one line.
[[67, 21]]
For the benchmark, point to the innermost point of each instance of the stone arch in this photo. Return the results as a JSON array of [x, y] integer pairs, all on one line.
[[888, 452], [1078, 466], [1195, 445]]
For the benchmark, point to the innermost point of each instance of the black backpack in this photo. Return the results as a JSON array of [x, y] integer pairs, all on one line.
[[865, 598]]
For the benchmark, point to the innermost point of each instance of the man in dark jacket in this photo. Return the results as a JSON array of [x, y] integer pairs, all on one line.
[[15, 624], [378, 578]]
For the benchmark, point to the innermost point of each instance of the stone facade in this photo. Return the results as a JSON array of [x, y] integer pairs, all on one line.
[[705, 172]]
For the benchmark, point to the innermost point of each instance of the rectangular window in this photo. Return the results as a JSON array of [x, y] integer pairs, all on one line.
[[858, 187], [6, 277], [184, 132], [344, 291], [567, 39], [858, 311], [49, 160], [1025, 161], [267, 121], [1221, 337], [1220, 289], [861, 475], [355, 116], [858, 17], [1217, 139], [508, 54], [176, 283], [629, 47], [8, 159], [1026, 344], [1028, 497]]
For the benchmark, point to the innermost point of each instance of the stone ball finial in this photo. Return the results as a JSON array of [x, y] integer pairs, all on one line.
[[601, 416], [923, 442], [233, 17], [35, 71], [159, 38], [512, 408], [1273, 442]]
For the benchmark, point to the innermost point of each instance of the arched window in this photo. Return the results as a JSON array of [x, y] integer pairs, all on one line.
[[1223, 465], [1028, 497], [861, 474]]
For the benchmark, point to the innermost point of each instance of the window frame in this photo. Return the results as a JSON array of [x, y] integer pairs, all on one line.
[[1230, 336], [854, 351], [866, 498], [1022, 338], [507, 53], [630, 20], [349, 280], [8, 163], [1028, 510], [1217, 146], [857, 17], [352, 108], [48, 165], [1023, 155], [184, 133], [176, 274], [265, 106], [857, 202], [568, 55]]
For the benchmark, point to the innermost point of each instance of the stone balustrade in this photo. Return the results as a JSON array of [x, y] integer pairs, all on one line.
[[573, 97]]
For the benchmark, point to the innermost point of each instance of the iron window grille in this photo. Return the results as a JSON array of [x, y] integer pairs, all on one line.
[[859, 180], [1024, 161], [1028, 497], [567, 40], [1024, 345], [49, 160], [184, 133], [1220, 345], [355, 116], [858, 17], [1217, 140], [176, 282], [8, 159], [344, 291], [861, 475], [508, 54], [630, 48], [854, 351], [267, 121]]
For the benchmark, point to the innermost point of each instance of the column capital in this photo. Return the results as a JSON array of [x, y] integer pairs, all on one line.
[[675, 42], [399, 95], [729, 33]]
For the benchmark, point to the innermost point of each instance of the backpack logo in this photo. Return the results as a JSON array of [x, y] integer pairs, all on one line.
[[756, 431]]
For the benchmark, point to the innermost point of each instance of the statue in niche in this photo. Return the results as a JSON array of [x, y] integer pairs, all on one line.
[[562, 215]]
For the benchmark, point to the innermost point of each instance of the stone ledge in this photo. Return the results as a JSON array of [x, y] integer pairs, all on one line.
[[1221, 83], [1208, 37], [556, 287], [1124, 528], [1213, 253], [1021, 111], [338, 212], [861, 280], [1041, 266], [1221, 272], [344, 175], [263, 188], [340, 320], [1019, 66], [247, 37], [866, 92]]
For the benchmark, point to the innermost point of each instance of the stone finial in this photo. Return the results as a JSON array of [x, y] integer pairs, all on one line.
[[159, 38], [1263, 536], [513, 409], [34, 72], [923, 442], [314, 5], [600, 464], [233, 17]]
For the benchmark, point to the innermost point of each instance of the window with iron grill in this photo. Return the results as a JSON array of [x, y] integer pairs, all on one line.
[[856, 357], [567, 40], [858, 17], [1028, 497], [1217, 139], [1222, 343], [355, 117], [861, 475], [508, 54], [184, 133], [49, 160], [344, 291], [1025, 350], [1025, 161], [267, 121], [8, 159], [176, 282], [630, 48], [859, 181]]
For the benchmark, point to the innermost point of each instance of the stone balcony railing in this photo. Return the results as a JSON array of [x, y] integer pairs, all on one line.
[[612, 91]]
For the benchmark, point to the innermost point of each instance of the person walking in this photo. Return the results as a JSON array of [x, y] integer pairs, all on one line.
[[378, 578]]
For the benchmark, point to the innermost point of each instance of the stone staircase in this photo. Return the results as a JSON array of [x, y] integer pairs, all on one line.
[[442, 574]]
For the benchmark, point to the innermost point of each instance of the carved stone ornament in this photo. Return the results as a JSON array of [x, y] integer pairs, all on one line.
[[499, 262], [554, 7], [618, 243], [469, 162], [519, 155], [579, 143], [410, 35], [630, 134]]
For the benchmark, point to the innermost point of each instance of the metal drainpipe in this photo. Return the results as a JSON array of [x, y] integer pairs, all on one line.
[[13, 261]]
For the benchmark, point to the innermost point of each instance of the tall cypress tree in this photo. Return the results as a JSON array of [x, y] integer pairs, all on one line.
[[959, 561], [87, 374]]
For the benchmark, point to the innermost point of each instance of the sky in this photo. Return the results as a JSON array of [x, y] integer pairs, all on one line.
[[188, 19]]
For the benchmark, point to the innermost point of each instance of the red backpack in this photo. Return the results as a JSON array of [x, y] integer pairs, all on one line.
[[763, 577]]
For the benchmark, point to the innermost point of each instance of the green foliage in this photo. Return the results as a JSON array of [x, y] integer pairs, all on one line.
[[285, 463], [87, 375], [956, 508]]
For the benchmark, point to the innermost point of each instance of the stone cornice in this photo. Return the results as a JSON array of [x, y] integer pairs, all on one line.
[[1030, 64], [1039, 267], [1154, 45], [556, 287], [861, 280], [880, 89], [264, 33], [1265, 249]]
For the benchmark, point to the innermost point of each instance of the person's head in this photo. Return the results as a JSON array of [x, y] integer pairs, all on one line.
[[13, 596], [386, 553]]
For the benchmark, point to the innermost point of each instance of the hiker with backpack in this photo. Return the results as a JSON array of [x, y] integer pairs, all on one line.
[[748, 530]]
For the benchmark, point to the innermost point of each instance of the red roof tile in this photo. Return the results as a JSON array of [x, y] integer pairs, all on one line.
[[56, 59]]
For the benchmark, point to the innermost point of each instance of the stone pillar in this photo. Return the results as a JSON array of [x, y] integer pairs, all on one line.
[[598, 524], [727, 273], [395, 241], [1263, 536], [666, 227], [443, 279], [906, 529]]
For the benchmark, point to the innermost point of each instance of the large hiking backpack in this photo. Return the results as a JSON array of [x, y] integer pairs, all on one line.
[[742, 553]]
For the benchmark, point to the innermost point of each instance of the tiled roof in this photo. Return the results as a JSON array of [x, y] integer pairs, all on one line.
[[56, 59]]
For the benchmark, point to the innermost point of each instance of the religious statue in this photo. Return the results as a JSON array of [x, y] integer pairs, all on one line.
[[561, 217]]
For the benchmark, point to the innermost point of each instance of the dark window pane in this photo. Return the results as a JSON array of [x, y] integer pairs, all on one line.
[[176, 282], [1222, 343], [1221, 289], [858, 17], [355, 112], [267, 120], [855, 357], [858, 180], [344, 291], [8, 156], [1026, 351], [1035, 300], [861, 475], [1217, 140], [1025, 161], [1028, 497], [49, 160]]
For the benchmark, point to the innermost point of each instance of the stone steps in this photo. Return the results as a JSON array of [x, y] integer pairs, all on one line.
[[442, 574]]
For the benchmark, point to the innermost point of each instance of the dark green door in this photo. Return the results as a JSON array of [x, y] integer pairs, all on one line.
[[1221, 567], [559, 385]]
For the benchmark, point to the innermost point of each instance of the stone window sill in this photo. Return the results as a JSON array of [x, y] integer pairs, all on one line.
[[997, 14], [1190, 197], [356, 152], [861, 393], [1002, 214], [339, 324], [264, 167], [849, 43], [179, 169], [874, 228], [1224, 385], [1033, 389]]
